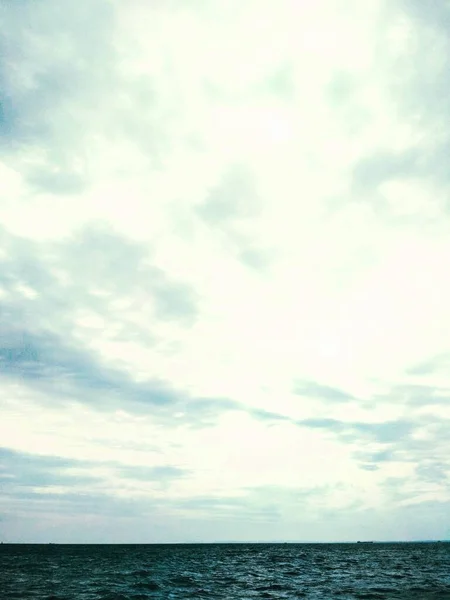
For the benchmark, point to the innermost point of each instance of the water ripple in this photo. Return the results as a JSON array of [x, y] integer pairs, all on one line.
[[225, 572]]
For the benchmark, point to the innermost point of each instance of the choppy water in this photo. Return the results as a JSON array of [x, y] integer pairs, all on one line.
[[253, 571]]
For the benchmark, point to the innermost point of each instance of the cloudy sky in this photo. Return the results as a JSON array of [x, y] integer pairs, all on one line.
[[224, 270]]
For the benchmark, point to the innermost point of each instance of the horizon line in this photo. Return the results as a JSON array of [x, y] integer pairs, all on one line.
[[278, 542]]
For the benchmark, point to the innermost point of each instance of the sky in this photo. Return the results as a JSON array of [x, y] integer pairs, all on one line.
[[224, 258]]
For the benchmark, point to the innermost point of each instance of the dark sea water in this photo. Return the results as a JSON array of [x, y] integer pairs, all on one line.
[[122, 572]]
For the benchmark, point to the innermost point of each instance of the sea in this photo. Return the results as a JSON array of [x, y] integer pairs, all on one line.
[[366, 571]]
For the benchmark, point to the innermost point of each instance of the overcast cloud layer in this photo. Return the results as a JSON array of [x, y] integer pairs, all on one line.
[[224, 270]]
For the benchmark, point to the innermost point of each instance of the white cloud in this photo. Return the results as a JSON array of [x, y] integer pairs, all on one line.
[[228, 202]]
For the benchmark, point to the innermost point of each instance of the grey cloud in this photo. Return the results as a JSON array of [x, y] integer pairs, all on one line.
[[65, 94], [371, 171], [232, 199], [401, 489], [382, 456], [425, 368], [331, 424], [429, 453], [281, 493], [230, 203], [205, 407], [388, 432], [247, 251], [433, 471], [206, 404], [424, 163], [398, 443], [268, 503], [56, 60], [266, 415], [369, 467], [94, 258], [375, 459], [340, 88], [57, 367], [21, 473], [391, 434], [281, 82], [202, 412], [215, 506], [58, 182], [283, 502], [384, 433], [20, 460], [430, 366], [253, 256], [417, 395], [158, 473], [342, 93], [98, 256], [170, 514], [39, 345], [417, 88], [28, 503], [424, 87], [44, 479], [312, 389], [436, 15], [202, 502]]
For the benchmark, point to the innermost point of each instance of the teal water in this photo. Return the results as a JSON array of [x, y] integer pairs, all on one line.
[[225, 571]]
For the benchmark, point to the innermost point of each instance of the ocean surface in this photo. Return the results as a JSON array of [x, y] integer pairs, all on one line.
[[133, 572]]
